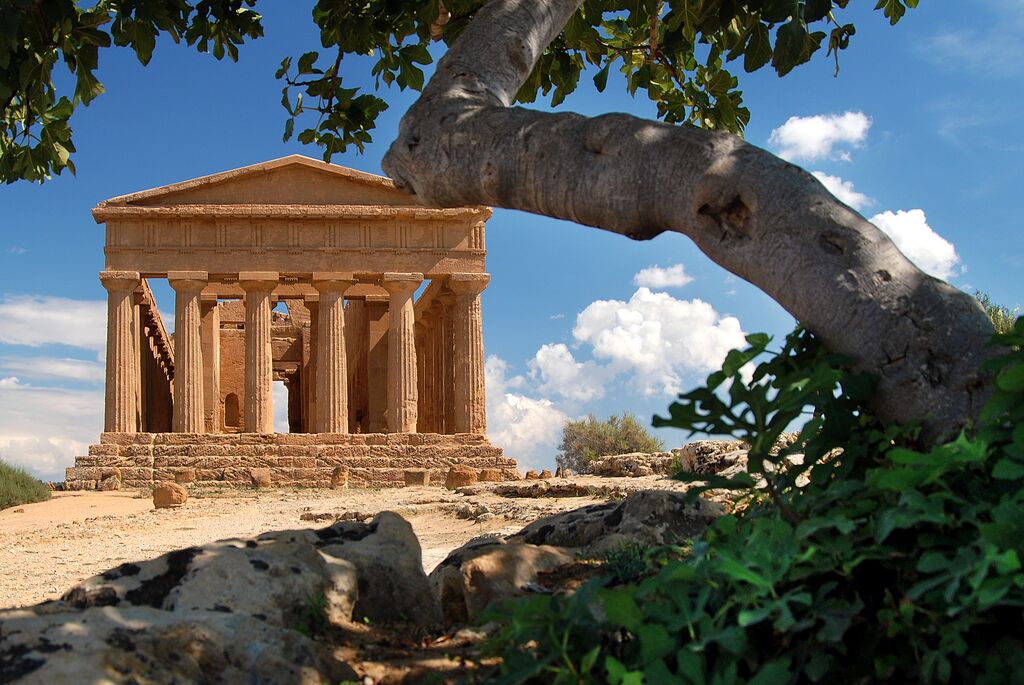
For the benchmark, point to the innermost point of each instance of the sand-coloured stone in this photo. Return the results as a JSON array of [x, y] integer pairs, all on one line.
[[359, 353], [491, 475], [414, 477], [260, 478], [339, 477], [169, 495], [490, 570], [460, 476]]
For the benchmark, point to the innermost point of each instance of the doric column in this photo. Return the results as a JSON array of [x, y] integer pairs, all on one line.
[[188, 351], [437, 392], [357, 348], [401, 351], [470, 408], [211, 362], [259, 357], [332, 374], [446, 344], [377, 332], [122, 361], [309, 389]]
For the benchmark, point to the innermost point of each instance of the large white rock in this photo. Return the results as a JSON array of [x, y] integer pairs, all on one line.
[[52, 644]]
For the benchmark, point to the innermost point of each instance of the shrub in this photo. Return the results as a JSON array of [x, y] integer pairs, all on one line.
[[587, 439], [873, 560], [1002, 317], [17, 487]]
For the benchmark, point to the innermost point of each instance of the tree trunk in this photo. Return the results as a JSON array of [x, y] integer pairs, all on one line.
[[763, 219]]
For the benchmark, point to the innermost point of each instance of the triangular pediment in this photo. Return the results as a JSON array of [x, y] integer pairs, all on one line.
[[293, 180]]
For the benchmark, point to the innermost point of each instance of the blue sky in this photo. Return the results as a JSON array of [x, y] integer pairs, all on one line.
[[919, 132]]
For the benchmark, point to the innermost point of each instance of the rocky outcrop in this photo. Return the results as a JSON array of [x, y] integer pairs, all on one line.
[[488, 570], [389, 565], [634, 465], [652, 517], [52, 643], [273, 578]]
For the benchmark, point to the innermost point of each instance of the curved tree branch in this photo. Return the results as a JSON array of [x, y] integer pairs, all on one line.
[[756, 215]]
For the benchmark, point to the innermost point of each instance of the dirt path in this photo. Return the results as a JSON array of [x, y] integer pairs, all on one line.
[[46, 548]]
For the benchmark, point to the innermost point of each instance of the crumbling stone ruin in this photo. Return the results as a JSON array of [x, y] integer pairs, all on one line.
[[381, 348]]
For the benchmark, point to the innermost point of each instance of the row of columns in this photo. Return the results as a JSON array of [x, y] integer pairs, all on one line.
[[462, 329]]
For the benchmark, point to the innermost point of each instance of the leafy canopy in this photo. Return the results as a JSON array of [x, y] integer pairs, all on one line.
[[869, 559], [682, 54], [587, 439]]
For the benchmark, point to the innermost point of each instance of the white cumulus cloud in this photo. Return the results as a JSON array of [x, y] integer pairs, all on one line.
[[53, 368], [843, 190], [660, 278], [657, 339], [526, 428], [560, 373], [36, 320], [819, 136], [919, 242], [42, 429]]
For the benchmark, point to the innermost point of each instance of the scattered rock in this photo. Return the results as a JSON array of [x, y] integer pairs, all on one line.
[[633, 465], [490, 476], [460, 476], [708, 456], [649, 518], [166, 495], [260, 478], [532, 475], [546, 474], [54, 644], [414, 477], [339, 477], [19, 510], [543, 488], [488, 570], [471, 510], [389, 565]]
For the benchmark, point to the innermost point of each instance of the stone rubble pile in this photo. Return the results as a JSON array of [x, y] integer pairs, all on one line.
[[228, 610]]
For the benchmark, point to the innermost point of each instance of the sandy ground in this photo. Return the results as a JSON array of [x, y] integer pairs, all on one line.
[[46, 548]]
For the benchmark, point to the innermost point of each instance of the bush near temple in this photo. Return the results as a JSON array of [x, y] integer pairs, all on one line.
[[17, 487], [587, 439], [892, 563]]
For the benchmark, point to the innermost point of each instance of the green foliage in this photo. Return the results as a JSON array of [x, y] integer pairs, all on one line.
[[17, 487], [675, 52], [624, 563], [314, 622], [587, 439], [1002, 317], [888, 563], [35, 114]]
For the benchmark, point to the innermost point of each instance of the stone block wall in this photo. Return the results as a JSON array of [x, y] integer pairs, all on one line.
[[373, 460]]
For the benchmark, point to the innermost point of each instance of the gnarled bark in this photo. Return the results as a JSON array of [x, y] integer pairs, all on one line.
[[756, 215]]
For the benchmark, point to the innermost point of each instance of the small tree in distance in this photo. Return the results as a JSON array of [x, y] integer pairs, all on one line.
[[587, 439]]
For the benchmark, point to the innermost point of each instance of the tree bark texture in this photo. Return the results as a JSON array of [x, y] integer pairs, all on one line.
[[763, 219]]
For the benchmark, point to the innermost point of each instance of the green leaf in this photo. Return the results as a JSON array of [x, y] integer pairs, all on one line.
[[1008, 469], [621, 609], [1011, 379], [759, 49], [773, 673], [601, 78]]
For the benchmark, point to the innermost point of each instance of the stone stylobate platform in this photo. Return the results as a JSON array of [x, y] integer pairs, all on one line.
[[380, 333]]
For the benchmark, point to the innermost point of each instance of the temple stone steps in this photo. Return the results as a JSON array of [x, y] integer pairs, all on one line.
[[291, 459]]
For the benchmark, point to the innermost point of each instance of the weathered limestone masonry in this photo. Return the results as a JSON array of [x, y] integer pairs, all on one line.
[[378, 379]]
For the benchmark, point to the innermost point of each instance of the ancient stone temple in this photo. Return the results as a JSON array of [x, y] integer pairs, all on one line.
[[379, 342]]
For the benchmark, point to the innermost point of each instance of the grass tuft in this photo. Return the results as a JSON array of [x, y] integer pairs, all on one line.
[[17, 487]]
